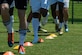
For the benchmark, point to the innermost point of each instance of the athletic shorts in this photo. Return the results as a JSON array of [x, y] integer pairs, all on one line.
[[21, 4], [53, 1], [60, 0], [66, 4], [66, 0], [37, 4], [6, 1]]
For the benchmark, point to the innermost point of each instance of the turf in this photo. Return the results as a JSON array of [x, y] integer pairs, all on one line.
[[70, 43]]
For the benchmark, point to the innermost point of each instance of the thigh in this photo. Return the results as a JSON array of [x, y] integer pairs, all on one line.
[[35, 5], [21, 4]]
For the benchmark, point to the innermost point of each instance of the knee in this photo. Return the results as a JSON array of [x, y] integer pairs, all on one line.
[[4, 7], [43, 12], [35, 15]]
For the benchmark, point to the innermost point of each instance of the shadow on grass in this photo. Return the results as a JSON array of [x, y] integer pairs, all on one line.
[[70, 20], [3, 31], [16, 42], [1, 53]]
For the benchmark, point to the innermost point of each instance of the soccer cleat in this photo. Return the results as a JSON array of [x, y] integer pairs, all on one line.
[[39, 41], [60, 31], [66, 28], [21, 50], [42, 30], [10, 39]]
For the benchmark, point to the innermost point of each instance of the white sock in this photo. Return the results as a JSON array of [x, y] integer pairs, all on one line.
[[45, 19], [56, 20], [60, 25], [12, 18], [9, 26], [28, 24], [65, 22]]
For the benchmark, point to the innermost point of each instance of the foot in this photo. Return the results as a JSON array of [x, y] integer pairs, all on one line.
[[10, 39], [21, 50], [60, 31], [39, 41], [66, 28], [41, 29]]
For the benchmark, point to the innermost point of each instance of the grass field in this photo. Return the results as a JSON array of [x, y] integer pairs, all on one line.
[[69, 43]]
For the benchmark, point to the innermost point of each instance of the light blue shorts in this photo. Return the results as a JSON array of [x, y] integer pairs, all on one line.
[[37, 4], [60, 0], [52, 1]]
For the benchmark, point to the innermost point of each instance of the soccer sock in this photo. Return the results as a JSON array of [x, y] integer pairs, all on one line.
[[65, 22], [9, 26], [40, 24], [60, 25], [56, 20], [35, 23], [12, 18], [28, 24], [22, 34]]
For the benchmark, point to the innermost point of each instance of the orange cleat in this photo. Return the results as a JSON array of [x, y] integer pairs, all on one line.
[[21, 50]]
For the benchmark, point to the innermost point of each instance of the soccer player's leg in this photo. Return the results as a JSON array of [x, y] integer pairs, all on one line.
[[45, 4], [61, 4], [11, 11], [6, 21], [35, 18], [21, 6], [40, 29], [54, 15], [57, 19], [65, 12], [11, 35], [45, 19], [35, 23], [29, 18], [44, 14]]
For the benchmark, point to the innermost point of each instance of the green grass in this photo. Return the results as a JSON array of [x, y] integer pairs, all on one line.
[[68, 44]]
